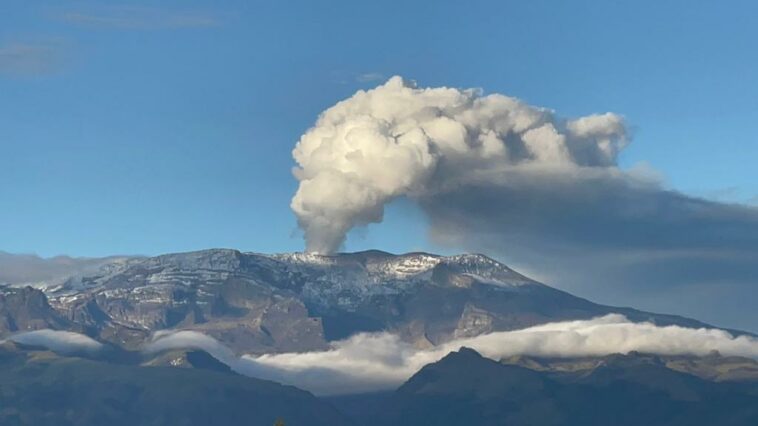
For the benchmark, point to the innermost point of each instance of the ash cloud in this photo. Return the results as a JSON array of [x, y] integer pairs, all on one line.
[[614, 238], [400, 140], [522, 184], [380, 361]]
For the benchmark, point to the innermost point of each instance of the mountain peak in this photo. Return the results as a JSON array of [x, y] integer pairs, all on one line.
[[464, 354]]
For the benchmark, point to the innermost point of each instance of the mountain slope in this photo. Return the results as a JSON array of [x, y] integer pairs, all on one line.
[[464, 388], [26, 309], [40, 388], [712, 367], [259, 303]]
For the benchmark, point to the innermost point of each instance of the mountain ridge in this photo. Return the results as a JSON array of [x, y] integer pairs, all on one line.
[[263, 303], [633, 389], [42, 388]]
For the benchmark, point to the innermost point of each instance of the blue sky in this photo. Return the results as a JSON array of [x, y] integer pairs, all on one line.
[[135, 128]]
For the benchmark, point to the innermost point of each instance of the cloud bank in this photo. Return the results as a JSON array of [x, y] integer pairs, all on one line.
[[186, 339], [371, 362], [30, 269], [541, 192], [64, 342]]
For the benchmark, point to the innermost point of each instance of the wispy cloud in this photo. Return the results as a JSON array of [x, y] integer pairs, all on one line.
[[139, 18], [64, 342], [370, 77], [30, 58]]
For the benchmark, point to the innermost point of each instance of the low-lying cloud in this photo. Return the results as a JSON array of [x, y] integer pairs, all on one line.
[[369, 362], [30, 269], [543, 193], [63, 342], [186, 339], [379, 361]]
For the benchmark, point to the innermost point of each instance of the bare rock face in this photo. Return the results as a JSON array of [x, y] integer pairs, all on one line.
[[217, 292], [273, 303], [473, 322], [258, 303], [27, 309]]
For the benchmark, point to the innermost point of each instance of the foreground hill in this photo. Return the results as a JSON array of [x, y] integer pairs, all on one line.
[[259, 303], [190, 387], [40, 388], [464, 388]]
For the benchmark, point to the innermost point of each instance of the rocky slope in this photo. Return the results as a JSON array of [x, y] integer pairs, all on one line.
[[258, 303], [27, 309]]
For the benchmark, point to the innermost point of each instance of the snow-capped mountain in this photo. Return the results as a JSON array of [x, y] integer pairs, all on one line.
[[299, 301]]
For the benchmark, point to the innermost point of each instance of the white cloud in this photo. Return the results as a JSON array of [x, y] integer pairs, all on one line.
[[64, 342], [401, 140], [370, 362], [168, 339]]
